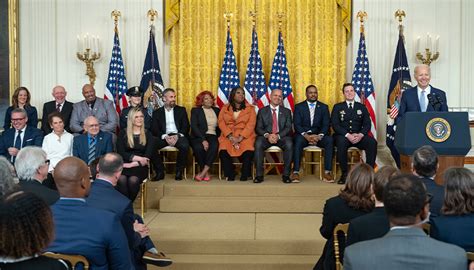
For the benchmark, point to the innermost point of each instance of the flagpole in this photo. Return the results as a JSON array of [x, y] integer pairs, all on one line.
[[116, 16], [280, 23], [253, 14], [152, 13], [362, 15], [400, 14]]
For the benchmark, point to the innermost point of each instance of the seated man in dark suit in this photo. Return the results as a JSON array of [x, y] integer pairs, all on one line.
[[425, 164], [59, 104], [274, 126], [95, 233], [170, 125], [374, 224], [351, 123], [312, 120], [406, 245], [19, 136], [31, 167], [423, 97], [94, 143], [103, 195]]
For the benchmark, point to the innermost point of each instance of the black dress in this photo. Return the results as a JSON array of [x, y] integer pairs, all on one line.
[[127, 152]]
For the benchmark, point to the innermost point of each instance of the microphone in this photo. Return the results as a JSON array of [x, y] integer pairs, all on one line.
[[435, 101]]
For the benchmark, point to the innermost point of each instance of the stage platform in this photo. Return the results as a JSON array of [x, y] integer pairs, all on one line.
[[238, 225]]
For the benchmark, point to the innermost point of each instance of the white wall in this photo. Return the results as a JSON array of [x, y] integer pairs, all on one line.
[[450, 19], [48, 43]]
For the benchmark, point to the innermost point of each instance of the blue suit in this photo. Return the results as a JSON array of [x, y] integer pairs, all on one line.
[[457, 230], [438, 195], [32, 137], [80, 147], [94, 233], [104, 196], [410, 101]]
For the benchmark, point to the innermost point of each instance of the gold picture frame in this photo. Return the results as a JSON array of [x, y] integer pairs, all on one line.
[[13, 45]]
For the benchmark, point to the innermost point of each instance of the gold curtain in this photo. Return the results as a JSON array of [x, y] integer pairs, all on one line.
[[314, 34]]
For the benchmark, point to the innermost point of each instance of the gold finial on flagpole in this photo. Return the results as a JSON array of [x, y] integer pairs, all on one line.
[[228, 16], [362, 15], [400, 14], [280, 16], [253, 13], [152, 13], [116, 15]]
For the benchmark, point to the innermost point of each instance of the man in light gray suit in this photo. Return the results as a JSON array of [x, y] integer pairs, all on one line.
[[274, 126], [406, 245], [92, 105]]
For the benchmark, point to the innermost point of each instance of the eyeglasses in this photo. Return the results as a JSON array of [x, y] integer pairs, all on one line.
[[47, 162], [18, 119]]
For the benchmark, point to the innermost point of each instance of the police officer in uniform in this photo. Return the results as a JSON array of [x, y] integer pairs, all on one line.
[[351, 123], [135, 99]]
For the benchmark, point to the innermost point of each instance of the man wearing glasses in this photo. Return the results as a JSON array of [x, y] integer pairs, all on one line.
[[19, 135], [32, 169]]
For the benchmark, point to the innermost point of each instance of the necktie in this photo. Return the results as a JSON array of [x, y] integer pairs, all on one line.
[[58, 107], [275, 122], [312, 106], [422, 101], [350, 105], [91, 151], [17, 143]]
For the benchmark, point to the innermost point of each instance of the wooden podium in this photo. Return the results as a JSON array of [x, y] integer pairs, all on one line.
[[447, 132]]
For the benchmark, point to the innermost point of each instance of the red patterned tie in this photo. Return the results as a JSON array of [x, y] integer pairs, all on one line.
[[275, 122]]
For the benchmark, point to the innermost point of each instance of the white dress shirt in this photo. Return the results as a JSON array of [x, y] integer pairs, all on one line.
[[170, 124], [57, 148], [427, 91]]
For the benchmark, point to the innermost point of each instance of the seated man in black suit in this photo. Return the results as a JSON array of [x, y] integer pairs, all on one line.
[[312, 120], [171, 125], [31, 167], [374, 224], [93, 143], [19, 136], [351, 123], [424, 165], [274, 126], [103, 195], [59, 104]]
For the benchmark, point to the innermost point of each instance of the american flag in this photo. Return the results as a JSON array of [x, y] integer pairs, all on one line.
[[116, 86], [400, 81], [256, 92], [152, 82], [363, 85], [280, 78], [229, 73]]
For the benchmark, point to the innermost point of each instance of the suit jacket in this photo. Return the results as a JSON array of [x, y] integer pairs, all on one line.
[[94, 233], [438, 195], [103, 110], [265, 121], [50, 107], [336, 211], [408, 248], [345, 120], [50, 196], [124, 118], [31, 113], [410, 101], [32, 137], [37, 263], [302, 118], [158, 122], [199, 124], [104, 196], [369, 226], [80, 146], [457, 230], [243, 125]]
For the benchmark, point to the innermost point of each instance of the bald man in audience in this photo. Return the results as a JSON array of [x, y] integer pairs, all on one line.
[[81, 229], [59, 104], [93, 143]]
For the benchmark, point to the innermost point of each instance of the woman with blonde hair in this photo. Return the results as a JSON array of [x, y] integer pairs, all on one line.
[[21, 99], [136, 145]]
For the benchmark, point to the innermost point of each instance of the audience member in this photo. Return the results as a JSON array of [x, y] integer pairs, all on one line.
[[237, 124], [374, 224], [103, 110], [7, 182], [354, 200], [26, 230], [81, 229], [21, 135], [455, 225], [425, 165], [94, 143], [274, 127], [134, 101], [312, 120], [58, 143], [171, 125], [406, 245], [21, 99], [104, 196], [136, 145], [32, 169], [204, 133], [60, 105], [351, 123]]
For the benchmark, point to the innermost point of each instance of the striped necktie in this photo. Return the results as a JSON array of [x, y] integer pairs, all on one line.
[[91, 151]]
